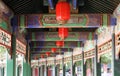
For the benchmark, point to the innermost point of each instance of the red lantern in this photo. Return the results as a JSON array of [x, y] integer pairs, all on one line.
[[42, 56], [63, 32], [47, 53], [35, 58], [59, 43], [62, 11], [53, 50]]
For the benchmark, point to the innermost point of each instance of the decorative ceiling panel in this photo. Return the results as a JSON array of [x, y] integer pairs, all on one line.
[[41, 6]]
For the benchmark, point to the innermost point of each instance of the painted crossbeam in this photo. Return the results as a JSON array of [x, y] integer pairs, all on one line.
[[76, 20]]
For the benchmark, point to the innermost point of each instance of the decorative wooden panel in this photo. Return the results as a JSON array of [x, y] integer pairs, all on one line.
[[89, 54], [50, 61], [118, 39], [106, 47], [5, 38], [67, 59], [77, 57]]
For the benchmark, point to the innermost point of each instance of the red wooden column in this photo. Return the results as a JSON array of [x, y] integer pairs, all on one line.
[[36, 71]]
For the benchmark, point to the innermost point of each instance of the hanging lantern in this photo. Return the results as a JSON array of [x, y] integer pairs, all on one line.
[[62, 12], [63, 32], [59, 43], [42, 56], [47, 53], [35, 58], [53, 50]]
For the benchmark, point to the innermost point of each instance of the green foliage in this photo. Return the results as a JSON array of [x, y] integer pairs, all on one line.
[[106, 58], [4, 25], [89, 63], [90, 36], [61, 66], [2, 50], [78, 63], [68, 65]]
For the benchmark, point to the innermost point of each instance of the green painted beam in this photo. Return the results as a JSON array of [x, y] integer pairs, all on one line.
[[38, 55], [43, 51], [48, 44], [51, 47], [75, 21], [35, 52], [22, 21], [53, 36], [105, 20]]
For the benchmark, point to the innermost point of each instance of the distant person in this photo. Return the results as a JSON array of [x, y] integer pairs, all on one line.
[[109, 72], [119, 55]]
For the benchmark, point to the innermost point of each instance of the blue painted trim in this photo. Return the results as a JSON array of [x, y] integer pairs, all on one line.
[[113, 21], [14, 23], [51, 4], [74, 3]]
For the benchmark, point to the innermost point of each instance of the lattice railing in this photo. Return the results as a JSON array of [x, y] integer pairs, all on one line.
[[107, 46]]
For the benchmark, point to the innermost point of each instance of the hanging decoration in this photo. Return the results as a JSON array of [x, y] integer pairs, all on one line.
[[42, 56], [35, 58], [62, 12], [48, 53], [63, 32], [53, 50], [59, 43]]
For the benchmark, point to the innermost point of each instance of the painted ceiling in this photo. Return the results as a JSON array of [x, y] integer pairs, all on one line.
[[41, 28], [41, 6]]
